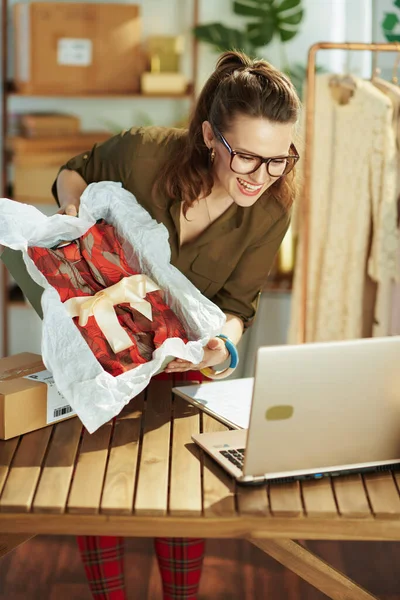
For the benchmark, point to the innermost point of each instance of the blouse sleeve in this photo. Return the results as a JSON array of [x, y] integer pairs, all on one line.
[[108, 161], [241, 293]]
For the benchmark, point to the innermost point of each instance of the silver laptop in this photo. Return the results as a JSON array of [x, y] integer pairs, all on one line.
[[317, 409]]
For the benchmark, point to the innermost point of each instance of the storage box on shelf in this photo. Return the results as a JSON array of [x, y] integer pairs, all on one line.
[[49, 125], [77, 48], [37, 162]]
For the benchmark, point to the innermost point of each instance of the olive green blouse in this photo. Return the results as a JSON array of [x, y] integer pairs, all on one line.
[[230, 261]]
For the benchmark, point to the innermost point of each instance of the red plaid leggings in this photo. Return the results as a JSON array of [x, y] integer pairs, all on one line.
[[180, 560]]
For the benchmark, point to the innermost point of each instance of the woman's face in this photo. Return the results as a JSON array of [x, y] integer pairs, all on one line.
[[250, 135]]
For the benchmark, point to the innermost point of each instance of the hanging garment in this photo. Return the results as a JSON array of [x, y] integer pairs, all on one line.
[[388, 294], [91, 264], [354, 181]]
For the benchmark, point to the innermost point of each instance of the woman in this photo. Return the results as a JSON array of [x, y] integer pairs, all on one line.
[[223, 189]]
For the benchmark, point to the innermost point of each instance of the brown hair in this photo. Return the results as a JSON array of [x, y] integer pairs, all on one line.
[[238, 85]]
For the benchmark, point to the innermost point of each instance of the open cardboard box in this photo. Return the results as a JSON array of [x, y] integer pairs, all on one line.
[[27, 404]]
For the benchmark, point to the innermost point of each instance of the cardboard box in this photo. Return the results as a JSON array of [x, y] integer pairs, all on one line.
[[38, 160], [71, 143], [28, 404], [77, 48], [49, 125], [164, 83]]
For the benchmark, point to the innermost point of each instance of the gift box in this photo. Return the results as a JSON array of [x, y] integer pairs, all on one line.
[[93, 391], [29, 400]]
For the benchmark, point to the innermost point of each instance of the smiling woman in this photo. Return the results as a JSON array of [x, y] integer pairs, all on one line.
[[251, 132], [223, 189]]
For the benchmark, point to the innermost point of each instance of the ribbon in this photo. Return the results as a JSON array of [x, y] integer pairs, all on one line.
[[131, 289]]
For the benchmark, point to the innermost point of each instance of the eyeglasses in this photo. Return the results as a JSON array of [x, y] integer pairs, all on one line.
[[245, 164]]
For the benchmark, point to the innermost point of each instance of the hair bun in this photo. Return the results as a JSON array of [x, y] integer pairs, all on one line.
[[232, 60]]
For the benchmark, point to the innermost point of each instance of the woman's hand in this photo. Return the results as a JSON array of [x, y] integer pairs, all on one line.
[[215, 353], [70, 208]]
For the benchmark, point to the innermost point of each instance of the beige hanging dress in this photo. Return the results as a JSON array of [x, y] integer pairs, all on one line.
[[353, 182]]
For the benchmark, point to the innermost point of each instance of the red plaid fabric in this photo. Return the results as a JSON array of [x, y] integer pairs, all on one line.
[[179, 559], [96, 261], [103, 560]]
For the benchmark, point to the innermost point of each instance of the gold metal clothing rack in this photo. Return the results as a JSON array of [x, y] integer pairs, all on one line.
[[308, 153]]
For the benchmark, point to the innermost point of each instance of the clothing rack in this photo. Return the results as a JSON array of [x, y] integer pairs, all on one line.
[[308, 154]]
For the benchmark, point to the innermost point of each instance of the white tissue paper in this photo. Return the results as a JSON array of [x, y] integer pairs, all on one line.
[[93, 393]]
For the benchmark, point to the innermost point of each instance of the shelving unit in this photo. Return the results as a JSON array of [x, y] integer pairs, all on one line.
[[8, 93]]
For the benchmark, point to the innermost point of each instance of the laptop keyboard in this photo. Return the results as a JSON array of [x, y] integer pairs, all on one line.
[[235, 456]]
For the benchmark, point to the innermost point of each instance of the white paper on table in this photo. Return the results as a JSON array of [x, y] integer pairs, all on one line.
[[227, 401]]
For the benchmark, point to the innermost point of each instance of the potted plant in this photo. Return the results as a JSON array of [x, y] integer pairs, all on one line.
[[265, 21]]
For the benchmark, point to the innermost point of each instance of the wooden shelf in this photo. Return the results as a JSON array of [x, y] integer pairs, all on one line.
[[187, 95], [36, 202]]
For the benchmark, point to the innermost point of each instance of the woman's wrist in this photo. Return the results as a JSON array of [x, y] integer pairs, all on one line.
[[233, 357]]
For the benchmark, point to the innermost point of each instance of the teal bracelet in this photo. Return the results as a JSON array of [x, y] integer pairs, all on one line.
[[211, 374], [230, 346]]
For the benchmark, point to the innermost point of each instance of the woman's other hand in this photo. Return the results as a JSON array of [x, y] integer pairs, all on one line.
[[215, 353], [70, 187], [71, 209]]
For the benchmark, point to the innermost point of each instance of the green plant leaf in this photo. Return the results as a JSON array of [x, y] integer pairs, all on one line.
[[397, 3], [269, 18], [388, 25], [260, 33], [390, 21], [221, 37], [288, 5], [252, 8], [392, 37], [294, 19], [287, 34]]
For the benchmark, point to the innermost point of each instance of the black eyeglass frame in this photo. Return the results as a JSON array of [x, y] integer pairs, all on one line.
[[295, 157]]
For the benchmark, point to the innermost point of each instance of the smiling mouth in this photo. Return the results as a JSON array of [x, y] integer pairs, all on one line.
[[248, 186]]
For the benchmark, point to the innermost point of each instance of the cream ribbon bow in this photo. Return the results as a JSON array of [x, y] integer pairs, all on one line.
[[131, 289]]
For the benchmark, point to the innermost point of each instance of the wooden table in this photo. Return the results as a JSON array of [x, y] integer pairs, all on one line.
[[142, 476]]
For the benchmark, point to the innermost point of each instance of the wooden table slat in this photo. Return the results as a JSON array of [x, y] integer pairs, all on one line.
[[319, 500], [252, 501], [7, 450], [383, 494], [152, 486], [285, 499], [218, 486], [121, 473], [19, 489], [351, 497], [54, 484], [185, 462], [89, 474]]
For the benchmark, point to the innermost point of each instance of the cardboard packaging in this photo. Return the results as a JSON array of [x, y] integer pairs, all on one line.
[[77, 48], [164, 83], [49, 125], [38, 160], [28, 404]]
